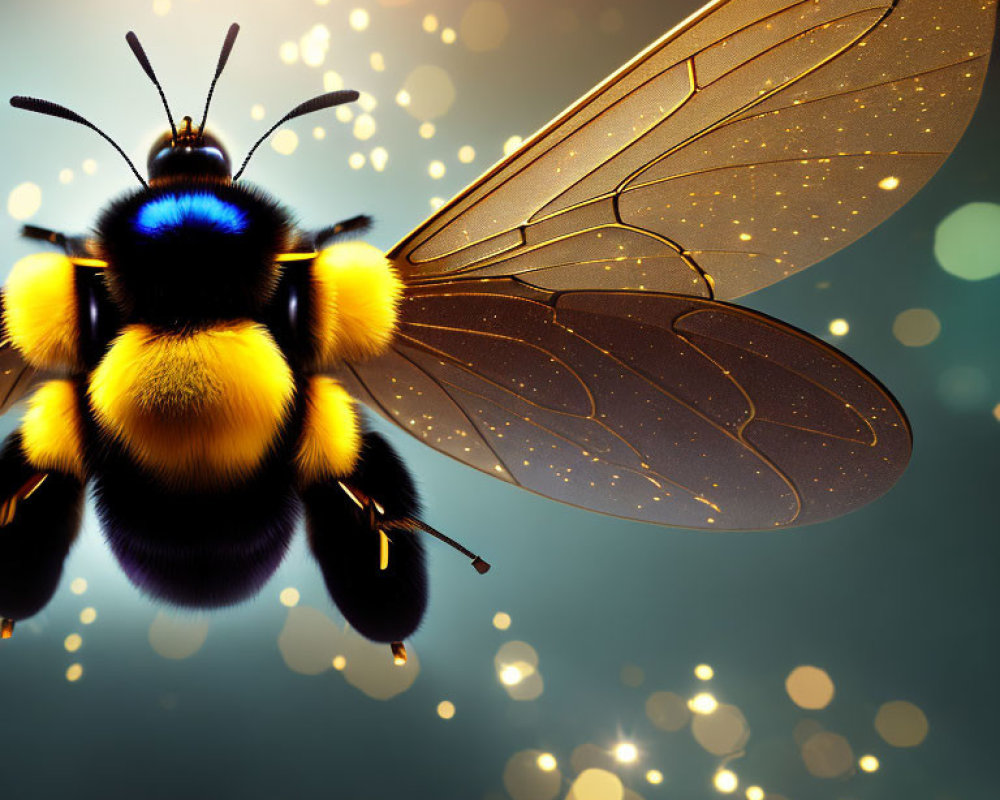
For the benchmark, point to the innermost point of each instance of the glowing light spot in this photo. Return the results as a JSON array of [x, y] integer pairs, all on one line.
[[24, 201], [704, 672], [379, 158], [289, 597], [667, 711], [74, 672], [916, 327], [356, 160], [967, 242], [484, 26], [996, 412], [257, 111], [868, 763], [403, 98], [427, 130], [65, 176], [596, 784], [626, 753], [546, 762], [431, 91], [364, 127], [313, 46], [901, 724], [288, 52], [436, 203], [703, 703], [161, 7], [430, 23], [367, 101], [501, 621], [88, 615], [467, 154], [827, 755], [722, 732], [339, 662], [448, 36], [177, 638], [889, 183], [344, 114], [755, 793], [436, 170], [377, 62], [73, 642], [809, 687], [78, 585], [517, 669], [332, 81], [839, 327], [654, 776], [359, 19], [319, 133], [512, 144], [89, 166], [285, 141], [446, 709], [511, 675], [745, 237], [726, 781]]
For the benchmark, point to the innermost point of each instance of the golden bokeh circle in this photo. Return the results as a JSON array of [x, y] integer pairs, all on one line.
[[722, 732], [827, 755], [431, 92], [809, 687], [901, 724], [916, 327], [596, 784], [484, 26], [667, 711], [525, 778]]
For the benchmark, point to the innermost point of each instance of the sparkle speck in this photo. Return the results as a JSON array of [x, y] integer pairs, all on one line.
[[546, 762], [436, 170], [654, 776], [626, 753], [725, 781], [356, 160], [868, 763], [839, 327], [289, 597], [889, 183]]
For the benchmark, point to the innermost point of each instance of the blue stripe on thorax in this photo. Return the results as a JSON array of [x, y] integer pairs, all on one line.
[[200, 209]]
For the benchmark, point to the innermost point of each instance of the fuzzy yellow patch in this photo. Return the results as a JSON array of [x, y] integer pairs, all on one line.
[[331, 437], [199, 409], [51, 431], [40, 310], [357, 287]]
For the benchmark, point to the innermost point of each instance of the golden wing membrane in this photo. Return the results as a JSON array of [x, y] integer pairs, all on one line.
[[17, 378], [661, 408], [753, 140]]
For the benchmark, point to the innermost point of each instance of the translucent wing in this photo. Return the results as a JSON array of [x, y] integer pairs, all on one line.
[[753, 140], [16, 377], [662, 408]]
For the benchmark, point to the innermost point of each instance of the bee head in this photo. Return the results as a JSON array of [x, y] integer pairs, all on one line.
[[191, 154]]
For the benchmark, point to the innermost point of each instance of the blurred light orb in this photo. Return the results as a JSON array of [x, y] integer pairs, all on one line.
[[809, 687], [704, 672], [703, 703], [370, 668], [901, 724], [379, 158], [288, 52], [868, 763], [963, 388], [436, 203], [73, 642], [723, 732], [161, 7], [512, 144], [429, 23], [78, 585], [24, 201], [916, 327], [289, 597], [839, 327], [339, 662], [90, 166], [996, 412], [74, 672], [827, 755], [319, 133], [309, 640], [467, 154], [596, 784], [427, 130], [484, 26], [431, 92], [511, 675], [177, 638], [88, 615], [889, 183], [364, 127], [332, 81], [436, 169], [725, 781], [356, 160], [377, 62], [257, 111], [359, 19], [501, 620], [546, 762], [755, 793], [313, 46], [532, 775], [65, 176], [448, 36], [367, 101], [967, 242], [285, 141], [626, 753], [654, 776], [667, 711], [402, 98], [344, 114], [446, 709]]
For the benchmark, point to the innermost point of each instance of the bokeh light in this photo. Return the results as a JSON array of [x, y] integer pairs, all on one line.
[[484, 26], [74, 672], [501, 620], [177, 637], [722, 732], [547, 762], [467, 154], [703, 703], [285, 141], [78, 585], [916, 327], [809, 687], [632, 676], [755, 793], [309, 640], [512, 144], [654, 776], [725, 781], [596, 784], [827, 755], [359, 19], [667, 711], [379, 158], [626, 753], [964, 387], [88, 615], [289, 596], [901, 724], [839, 327], [868, 763], [431, 92], [967, 242], [24, 201], [532, 775], [446, 709], [704, 672], [73, 642]]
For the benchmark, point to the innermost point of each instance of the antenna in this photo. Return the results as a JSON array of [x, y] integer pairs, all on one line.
[[56, 110], [316, 104], [227, 48], [140, 55]]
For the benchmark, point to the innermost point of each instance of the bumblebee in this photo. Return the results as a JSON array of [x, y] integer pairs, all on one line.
[[563, 324]]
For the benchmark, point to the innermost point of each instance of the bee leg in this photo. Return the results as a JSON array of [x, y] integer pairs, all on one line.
[[355, 226], [40, 514], [375, 574], [73, 246]]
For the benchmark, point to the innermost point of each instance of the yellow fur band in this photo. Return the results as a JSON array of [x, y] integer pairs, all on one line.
[[51, 431], [331, 438], [40, 313]]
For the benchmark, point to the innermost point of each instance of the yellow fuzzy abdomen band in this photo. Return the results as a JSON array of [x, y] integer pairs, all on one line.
[[331, 437], [40, 314], [198, 409], [51, 431]]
